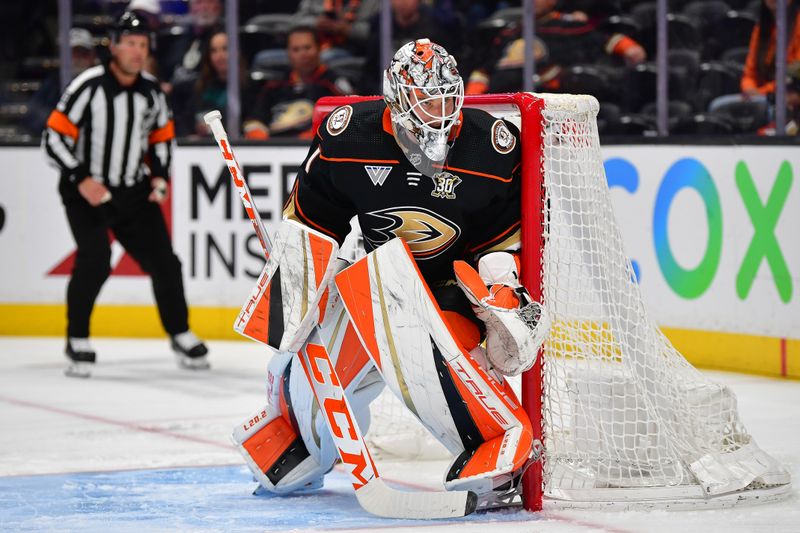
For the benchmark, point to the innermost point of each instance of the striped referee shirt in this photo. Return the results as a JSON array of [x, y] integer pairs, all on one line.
[[104, 130]]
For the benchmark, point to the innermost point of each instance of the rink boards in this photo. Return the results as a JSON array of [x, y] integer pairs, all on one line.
[[711, 232]]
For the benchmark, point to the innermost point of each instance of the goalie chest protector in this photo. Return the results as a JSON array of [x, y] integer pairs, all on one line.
[[355, 167]]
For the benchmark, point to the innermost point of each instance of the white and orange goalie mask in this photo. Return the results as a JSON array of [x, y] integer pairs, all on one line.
[[424, 93]]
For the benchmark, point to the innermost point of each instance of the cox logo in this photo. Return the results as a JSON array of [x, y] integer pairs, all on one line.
[[690, 173]]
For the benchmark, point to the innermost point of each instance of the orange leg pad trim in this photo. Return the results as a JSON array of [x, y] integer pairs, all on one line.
[[269, 443], [488, 425], [258, 325], [483, 460], [485, 457], [525, 444], [352, 357]]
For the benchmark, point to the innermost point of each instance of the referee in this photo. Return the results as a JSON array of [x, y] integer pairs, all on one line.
[[111, 137]]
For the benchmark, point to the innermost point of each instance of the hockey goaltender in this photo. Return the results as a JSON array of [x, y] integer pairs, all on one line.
[[436, 189]]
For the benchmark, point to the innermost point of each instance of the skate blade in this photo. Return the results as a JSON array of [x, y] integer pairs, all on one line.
[[499, 501], [192, 363], [79, 370]]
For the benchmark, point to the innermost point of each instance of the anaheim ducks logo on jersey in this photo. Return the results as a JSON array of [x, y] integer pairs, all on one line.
[[339, 120], [426, 233], [502, 139]]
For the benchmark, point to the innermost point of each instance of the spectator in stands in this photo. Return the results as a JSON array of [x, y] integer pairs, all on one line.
[[566, 39], [182, 61], [792, 103], [191, 99], [173, 7], [759, 70], [343, 25], [284, 107], [793, 99], [758, 79], [410, 21], [476, 11], [45, 99], [28, 32], [593, 11]]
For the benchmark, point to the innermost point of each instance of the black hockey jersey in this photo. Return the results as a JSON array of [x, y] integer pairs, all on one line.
[[470, 206]]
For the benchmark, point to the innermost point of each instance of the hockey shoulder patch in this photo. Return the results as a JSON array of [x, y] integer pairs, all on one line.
[[287, 300], [503, 141], [339, 119]]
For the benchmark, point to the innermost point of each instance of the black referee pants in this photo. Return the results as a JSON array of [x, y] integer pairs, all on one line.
[[140, 227]]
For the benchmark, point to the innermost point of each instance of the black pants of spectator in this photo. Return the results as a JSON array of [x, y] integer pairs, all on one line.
[[140, 227]]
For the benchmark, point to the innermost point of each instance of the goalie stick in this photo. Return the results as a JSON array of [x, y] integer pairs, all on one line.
[[372, 493]]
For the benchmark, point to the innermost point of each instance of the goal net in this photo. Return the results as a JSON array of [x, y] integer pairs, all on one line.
[[623, 417]]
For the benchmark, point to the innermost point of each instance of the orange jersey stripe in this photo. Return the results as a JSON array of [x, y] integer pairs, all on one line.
[[59, 122], [308, 221], [162, 134], [474, 172], [486, 244], [387, 121], [456, 131], [352, 160]]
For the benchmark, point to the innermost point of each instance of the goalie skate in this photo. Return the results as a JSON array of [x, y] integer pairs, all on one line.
[[508, 487], [508, 494]]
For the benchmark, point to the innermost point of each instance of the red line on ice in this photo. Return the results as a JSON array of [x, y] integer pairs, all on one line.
[[110, 421]]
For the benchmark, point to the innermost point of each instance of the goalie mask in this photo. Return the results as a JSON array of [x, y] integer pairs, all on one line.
[[424, 93]]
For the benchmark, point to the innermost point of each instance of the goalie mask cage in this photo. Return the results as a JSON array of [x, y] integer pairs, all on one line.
[[624, 419]]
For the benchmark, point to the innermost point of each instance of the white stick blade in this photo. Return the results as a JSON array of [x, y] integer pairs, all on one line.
[[379, 499]]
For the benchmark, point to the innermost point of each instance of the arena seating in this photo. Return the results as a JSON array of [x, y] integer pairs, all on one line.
[[708, 47]]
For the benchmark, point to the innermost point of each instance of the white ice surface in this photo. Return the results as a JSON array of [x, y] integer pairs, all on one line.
[[144, 446]]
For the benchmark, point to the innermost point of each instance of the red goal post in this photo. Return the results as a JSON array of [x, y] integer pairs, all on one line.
[[530, 111]]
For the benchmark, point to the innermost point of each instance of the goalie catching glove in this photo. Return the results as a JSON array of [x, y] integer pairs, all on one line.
[[516, 326]]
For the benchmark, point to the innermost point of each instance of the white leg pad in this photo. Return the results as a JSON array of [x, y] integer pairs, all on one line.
[[267, 440]]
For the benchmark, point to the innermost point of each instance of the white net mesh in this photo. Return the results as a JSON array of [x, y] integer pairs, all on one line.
[[395, 433], [622, 409]]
